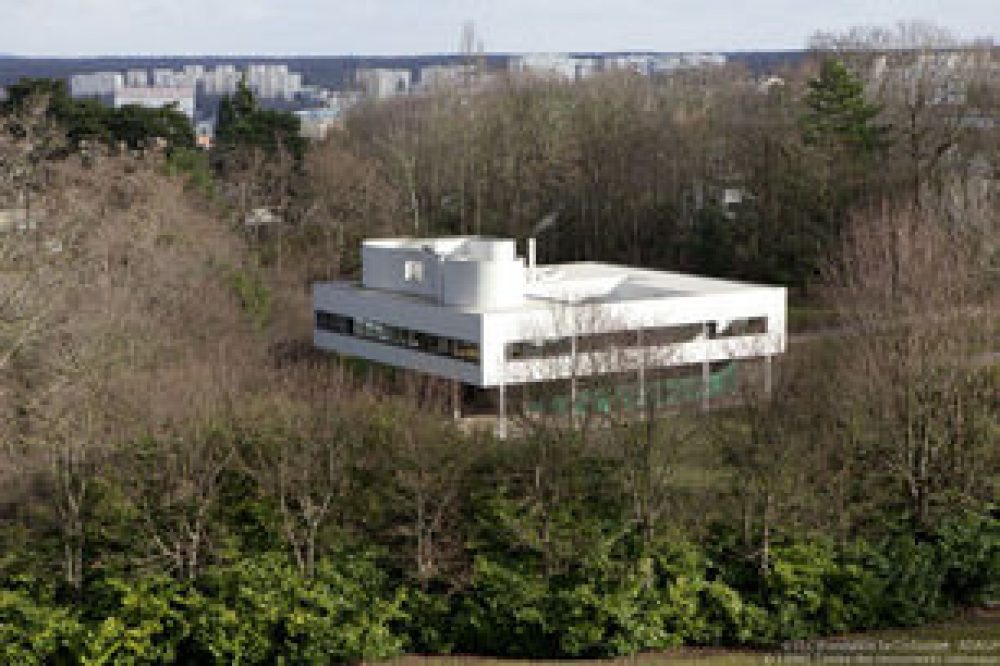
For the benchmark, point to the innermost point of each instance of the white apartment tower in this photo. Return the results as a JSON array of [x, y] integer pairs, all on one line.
[[379, 83], [96, 84]]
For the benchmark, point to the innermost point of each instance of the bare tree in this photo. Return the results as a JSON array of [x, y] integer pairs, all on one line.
[[301, 456], [347, 197], [175, 481], [122, 296], [910, 290], [430, 462]]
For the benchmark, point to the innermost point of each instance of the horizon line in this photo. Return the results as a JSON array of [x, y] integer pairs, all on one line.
[[428, 54]]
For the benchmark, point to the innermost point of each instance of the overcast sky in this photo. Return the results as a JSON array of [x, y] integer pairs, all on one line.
[[335, 27]]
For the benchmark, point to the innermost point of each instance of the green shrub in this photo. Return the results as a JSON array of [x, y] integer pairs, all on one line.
[[147, 623], [504, 612], [34, 632], [253, 294], [264, 611], [970, 555], [194, 164], [620, 598]]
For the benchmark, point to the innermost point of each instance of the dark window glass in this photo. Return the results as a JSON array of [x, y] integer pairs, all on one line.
[[375, 331], [465, 351], [599, 342], [334, 323], [670, 335], [738, 327]]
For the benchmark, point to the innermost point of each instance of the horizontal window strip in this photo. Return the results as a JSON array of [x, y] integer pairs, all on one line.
[[395, 336], [661, 336]]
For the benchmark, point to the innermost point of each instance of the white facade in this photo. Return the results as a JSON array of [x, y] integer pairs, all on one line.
[[437, 77], [273, 81], [96, 84], [136, 78], [379, 83], [155, 98], [169, 78], [554, 65], [470, 310], [639, 64], [223, 80]]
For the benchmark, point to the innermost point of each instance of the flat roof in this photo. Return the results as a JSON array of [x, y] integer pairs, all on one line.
[[588, 282], [630, 283]]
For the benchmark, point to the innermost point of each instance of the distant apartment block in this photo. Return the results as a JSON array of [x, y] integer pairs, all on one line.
[[317, 123], [163, 86], [156, 97], [223, 80], [272, 81], [556, 65], [136, 78], [577, 68], [168, 78], [639, 64], [379, 83], [437, 77], [97, 84]]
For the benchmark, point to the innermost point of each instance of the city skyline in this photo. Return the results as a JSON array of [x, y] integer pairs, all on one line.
[[66, 28]]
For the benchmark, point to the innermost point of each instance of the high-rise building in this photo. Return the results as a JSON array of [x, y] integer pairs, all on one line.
[[639, 64], [554, 65], [136, 78], [223, 80], [273, 81], [446, 76], [379, 83], [95, 84]]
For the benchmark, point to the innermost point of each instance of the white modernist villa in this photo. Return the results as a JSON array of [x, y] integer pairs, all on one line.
[[469, 310]]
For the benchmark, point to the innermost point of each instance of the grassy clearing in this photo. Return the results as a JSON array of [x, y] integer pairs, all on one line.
[[973, 625], [809, 318], [975, 634], [673, 658]]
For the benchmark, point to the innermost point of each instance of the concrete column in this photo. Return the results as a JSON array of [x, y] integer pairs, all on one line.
[[572, 377], [706, 374], [642, 372], [501, 427], [532, 258]]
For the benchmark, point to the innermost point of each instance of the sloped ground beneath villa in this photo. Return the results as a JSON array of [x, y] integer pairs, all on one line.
[[970, 638]]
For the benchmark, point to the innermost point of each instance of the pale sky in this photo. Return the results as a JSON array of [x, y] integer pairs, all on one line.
[[373, 27]]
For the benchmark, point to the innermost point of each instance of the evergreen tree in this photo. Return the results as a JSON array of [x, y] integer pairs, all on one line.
[[90, 120], [838, 114], [244, 124]]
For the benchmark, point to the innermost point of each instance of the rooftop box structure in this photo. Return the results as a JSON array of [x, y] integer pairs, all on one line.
[[470, 310]]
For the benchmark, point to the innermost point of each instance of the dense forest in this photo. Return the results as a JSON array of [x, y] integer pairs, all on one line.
[[184, 479]]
